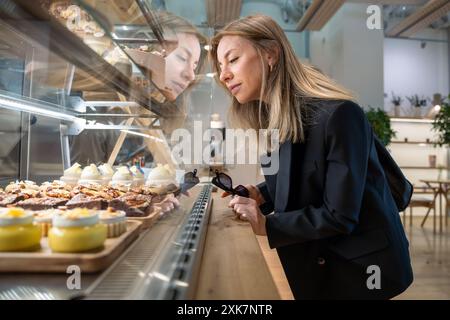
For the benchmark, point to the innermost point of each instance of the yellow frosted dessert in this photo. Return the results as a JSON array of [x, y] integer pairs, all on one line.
[[115, 221], [17, 231], [76, 230]]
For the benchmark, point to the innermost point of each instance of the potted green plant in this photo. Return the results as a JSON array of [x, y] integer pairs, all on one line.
[[396, 101], [381, 124], [416, 103], [441, 124]]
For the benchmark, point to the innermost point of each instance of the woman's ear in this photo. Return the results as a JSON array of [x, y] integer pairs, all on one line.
[[272, 55]]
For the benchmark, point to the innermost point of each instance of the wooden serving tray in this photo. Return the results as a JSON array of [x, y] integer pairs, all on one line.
[[147, 221], [45, 261]]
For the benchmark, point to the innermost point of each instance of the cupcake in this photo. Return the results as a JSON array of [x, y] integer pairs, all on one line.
[[90, 174], [44, 219], [122, 177], [161, 176], [72, 175], [138, 176], [76, 230], [115, 221], [17, 231], [107, 173]]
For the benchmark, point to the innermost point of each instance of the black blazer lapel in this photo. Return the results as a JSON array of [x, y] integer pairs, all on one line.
[[283, 177]]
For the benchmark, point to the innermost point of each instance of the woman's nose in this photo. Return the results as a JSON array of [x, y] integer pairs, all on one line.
[[225, 75], [188, 74]]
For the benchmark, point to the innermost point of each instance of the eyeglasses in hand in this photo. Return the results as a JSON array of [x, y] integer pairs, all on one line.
[[224, 182]]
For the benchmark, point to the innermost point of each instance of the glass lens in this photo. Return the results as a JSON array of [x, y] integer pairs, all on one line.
[[242, 191], [225, 180]]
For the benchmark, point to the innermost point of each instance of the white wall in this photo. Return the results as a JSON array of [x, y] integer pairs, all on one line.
[[410, 69], [349, 52]]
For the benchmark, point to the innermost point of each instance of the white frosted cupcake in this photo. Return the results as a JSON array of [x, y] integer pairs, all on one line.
[[90, 174], [72, 175], [161, 176], [122, 177], [138, 176], [115, 221], [107, 173]]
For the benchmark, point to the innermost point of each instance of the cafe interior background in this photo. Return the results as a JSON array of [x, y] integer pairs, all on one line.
[[398, 66]]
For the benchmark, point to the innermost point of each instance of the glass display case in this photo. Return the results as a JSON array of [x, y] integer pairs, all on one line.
[[94, 82]]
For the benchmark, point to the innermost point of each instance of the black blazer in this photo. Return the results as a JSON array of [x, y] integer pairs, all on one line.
[[333, 212]]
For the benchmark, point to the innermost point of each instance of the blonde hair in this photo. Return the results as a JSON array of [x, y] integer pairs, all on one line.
[[292, 83]]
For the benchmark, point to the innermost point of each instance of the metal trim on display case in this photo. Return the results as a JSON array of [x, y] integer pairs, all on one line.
[[27, 87], [175, 274], [164, 262], [24, 168]]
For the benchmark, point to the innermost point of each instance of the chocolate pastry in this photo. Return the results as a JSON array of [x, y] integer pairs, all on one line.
[[8, 199], [41, 203], [135, 205], [89, 202]]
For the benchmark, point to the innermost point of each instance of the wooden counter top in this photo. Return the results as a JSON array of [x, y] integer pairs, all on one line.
[[233, 265]]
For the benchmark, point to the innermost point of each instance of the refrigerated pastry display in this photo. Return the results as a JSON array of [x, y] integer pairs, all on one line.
[[68, 68]]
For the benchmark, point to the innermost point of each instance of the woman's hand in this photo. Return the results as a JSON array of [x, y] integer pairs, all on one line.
[[248, 209], [255, 194]]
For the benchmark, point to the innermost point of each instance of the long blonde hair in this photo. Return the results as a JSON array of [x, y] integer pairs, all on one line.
[[292, 83]]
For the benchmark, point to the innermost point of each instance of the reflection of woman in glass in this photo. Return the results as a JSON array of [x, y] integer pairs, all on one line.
[[181, 66]]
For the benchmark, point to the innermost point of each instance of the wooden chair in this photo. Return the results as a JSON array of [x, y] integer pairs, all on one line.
[[418, 200]]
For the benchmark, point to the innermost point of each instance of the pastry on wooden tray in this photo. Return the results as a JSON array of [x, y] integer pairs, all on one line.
[[76, 230], [7, 199], [84, 201], [42, 203], [17, 231], [115, 221], [135, 205]]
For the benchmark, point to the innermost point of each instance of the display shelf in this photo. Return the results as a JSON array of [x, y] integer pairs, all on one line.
[[412, 120], [414, 142], [423, 168], [45, 29]]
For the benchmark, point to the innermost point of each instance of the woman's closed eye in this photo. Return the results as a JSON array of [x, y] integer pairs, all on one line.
[[181, 58], [234, 60]]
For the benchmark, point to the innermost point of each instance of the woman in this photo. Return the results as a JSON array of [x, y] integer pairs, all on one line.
[[335, 224]]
